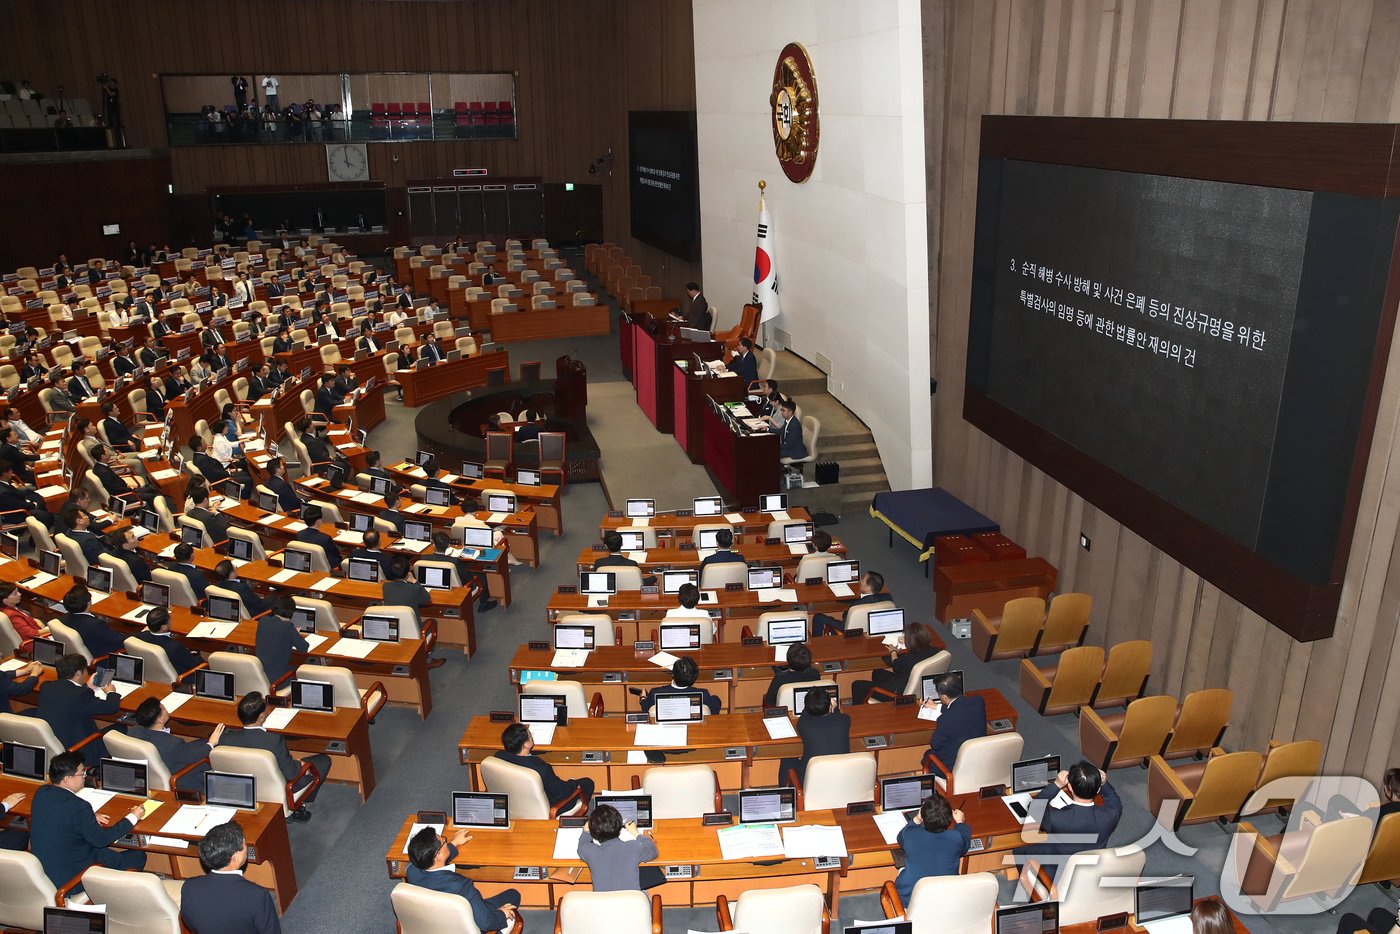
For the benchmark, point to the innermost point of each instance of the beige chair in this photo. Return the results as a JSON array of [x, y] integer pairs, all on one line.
[[268, 784], [682, 791], [157, 668], [181, 593], [786, 692], [326, 620], [583, 912], [72, 642], [710, 527], [252, 538], [1200, 723], [1129, 737], [858, 617], [25, 891], [626, 578], [39, 535], [9, 639], [1093, 883], [185, 522], [798, 909], [575, 700], [813, 566], [605, 631], [1288, 770], [214, 590], [832, 782], [1013, 634], [1383, 861], [345, 691], [1125, 674], [935, 664], [1066, 623], [74, 563], [982, 761], [32, 731], [716, 576], [410, 626], [425, 911], [315, 553], [964, 904], [811, 432], [247, 671], [526, 791], [157, 775], [1196, 792], [1287, 868], [1066, 686]]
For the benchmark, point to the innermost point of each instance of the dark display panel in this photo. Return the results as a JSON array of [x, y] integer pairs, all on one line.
[[663, 173]]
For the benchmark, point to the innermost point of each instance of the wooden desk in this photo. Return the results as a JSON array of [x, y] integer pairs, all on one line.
[[534, 324], [986, 585], [744, 467], [269, 849], [675, 525], [449, 376], [906, 735], [685, 557], [543, 499], [653, 358], [692, 392]]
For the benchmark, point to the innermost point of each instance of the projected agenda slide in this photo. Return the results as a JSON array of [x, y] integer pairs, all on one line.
[[662, 169]]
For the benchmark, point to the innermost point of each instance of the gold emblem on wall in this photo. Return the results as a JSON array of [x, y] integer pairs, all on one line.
[[794, 108]]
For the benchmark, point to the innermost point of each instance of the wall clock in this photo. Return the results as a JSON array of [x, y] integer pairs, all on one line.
[[793, 103], [347, 162]]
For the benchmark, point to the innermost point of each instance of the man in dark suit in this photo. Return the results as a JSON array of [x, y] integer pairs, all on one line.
[[282, 343], [799, 669], [1079, 823], [391, 512], [214, 523], [152, 722], [160, 328], [257, 382], [118, 435], [431, 857], [824, 732], [11, 454], [431, 351], [155, 399], [122, 546], [209, 467], [212, 336], [872, 590], [399, 590], [18, 683], [517, 748], [614, 558], [318, 447], [124, 363], [278, 638], [683, 674], [368, 342], [374, 468], [312, 535], [184, 566], [724, 538], [743, 364], [78, 386], [70, 708], [99, 638], [371, 550], [697, 314], [177, 383], [157, 633], [431, 481], [791, 445], [68, 836], [441, 545], [221, 901], [60, 399], [327, 398], [287, 499], [252, 712], [13, 499], [964, 717], [218, 362], [114, 483], [226, 576]]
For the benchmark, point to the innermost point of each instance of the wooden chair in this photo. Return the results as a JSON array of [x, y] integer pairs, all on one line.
[[1066, 623], [1383, 860], [1013, 634], [1066, 686], [1200, 723], [498, 454], [1124, 675], [1275, 870], [1288, 770], [554, 455], [1117, 740], [1196, 792]]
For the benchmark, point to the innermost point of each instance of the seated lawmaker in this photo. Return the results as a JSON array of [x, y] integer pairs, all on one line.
[[277, 638], [1082, 825], [430, 865], [517, 748], [872, 590], [933, 845], [184, 566], [222, 901], [67, 835], [226, 576], [122, 545], [100, 638], [917, 647], [252, 713], [688, 597], [824, 732], [964, 717], [614, 558], [744, 364], [157, 633], [371, 550], [791, 446], [277, 482], [724, 538], [118, 435], [441, 545], [215, 525], [152, 724], [683, 674], [312, 535], [70, 705], [799, 669], [402, 590]]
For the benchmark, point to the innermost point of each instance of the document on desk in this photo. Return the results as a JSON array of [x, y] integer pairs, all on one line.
[[313, 640], [777, 595], [708, 598], [750, 841], [95, 797], [596, 600], [364, 496], [1020, 807], [38, 579], [212, 630], [638, 556], [798, 548], [170, 843], [296, 525], [930, 713], [566, 842], [449, 478], [841, 590], [663, 659], [413, 832], [640, 522], [13, 664], [326, 583], [734, 518], [123, 688], [269, 519], [813, 840], [352, 648], [779, 515], [543, 733], [195, 820], [283, 576], [346, 537], [279, 718], [661, 734], [636, 757], [496, 518], [569, 658], [779, 728], [173, 702], [168, 551], [890, 824]]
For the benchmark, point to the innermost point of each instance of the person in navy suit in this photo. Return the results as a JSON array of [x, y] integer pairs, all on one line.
[[252, 713], [872, 590], [153, 725], [278, 638], [18, 683], [517, 748], [327, 398], [430, 858], [312, 535], [157, 632], [122, 546], [724, 538], [67, 836], [964, 717], [226, 576], [118, 435], [824, 732], [12, 838], [431, 351], [287, 499], [791, 445], [683, 675], [70, 708], [221, 901], [1079, 823], [743, 364], [933, 844], [77, 525], [99, 638], [184, 566], [371, 550]]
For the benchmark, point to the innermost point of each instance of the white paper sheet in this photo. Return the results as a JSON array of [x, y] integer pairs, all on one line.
[[841, 590], [750, 841], [780, 515], [640, 522], [12, 664], [661, 734], [271, 518], [930, 713], [123, 688], [543, 733], [638, 556], [813, 840], [173, 702], [352, 648], [890, 824], [170, 843], [283, 575], [780, 653], [636, 757], [779, 728], [344, 537], [1024, 800], [314, 640], [408, 544], [569, 658], [38, 579], [95, 797], [211, 630], [734, 518], [496, 518], [413, 832], [280, 717], [326, 583], [195, 820], [663, 659], [798, 548], [364, 496], [296, 525], [708, 598], [566, 842], [596, 600]]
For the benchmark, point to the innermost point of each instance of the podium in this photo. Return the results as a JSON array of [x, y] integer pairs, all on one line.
[[655, 348], [743, 466], [692, 392]]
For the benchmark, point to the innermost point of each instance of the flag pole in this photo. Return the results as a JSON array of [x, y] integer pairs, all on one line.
[[762, 185]]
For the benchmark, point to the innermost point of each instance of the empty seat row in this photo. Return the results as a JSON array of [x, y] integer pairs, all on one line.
[[1082, 678], [1228, 785], [1026, 627], [1155, 726]]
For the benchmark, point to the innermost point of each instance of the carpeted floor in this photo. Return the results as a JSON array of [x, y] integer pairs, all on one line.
[[637, 459]]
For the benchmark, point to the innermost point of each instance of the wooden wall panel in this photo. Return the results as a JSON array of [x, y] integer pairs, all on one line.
[[579, 68], [1335, 60]]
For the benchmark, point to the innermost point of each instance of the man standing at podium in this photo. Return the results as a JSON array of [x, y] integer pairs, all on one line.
[[697, 315]]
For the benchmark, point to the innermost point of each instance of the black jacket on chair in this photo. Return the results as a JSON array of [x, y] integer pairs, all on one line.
[[181, 657]]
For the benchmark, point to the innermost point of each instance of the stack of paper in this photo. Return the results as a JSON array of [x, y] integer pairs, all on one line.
[[566, 842], [569, 658], [750, 841], [326, 583], [365, 496], [283, 575], [271, 518], [596, 600], [96, 797], [408, 544], [842, 590], [640, 522], [1024, 800], [638, 556], [352, 648], [314, 640], [779, 515], [173, 702], [195, 820], [734, 518], [38, 580], [798, 548], [812, 840], [295, 525], [661, 734], [663, 659], [212, 630], [890, 824], [280, 717], [496, 518], [636, 757], [930, 713], [779, 728]]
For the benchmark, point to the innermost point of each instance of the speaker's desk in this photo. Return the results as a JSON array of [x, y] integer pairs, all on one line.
[[755, 763], [987, 585], [743, 465]]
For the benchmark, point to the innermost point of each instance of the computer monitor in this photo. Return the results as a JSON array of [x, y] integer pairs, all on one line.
[[361, 522], [927, 691], [335, 477], [842, 572], [682, 636], [1035, 918], [1034, 774], [672, 581], [597, 582], [192, 536], [230, 789], [47, 651], [542, 708], [885, 622], [313, 695], [9, 545], [772, 502], [800, 696], [709, 506], [640, 508], [764, 578], [573, 636], [129, 668], [380, 486], [304, 618], [678, 707], [123, 777], [477, 536], [24, 761], [435, 578], [437, 496], [230, 488], [905, 792], [707, 539], [155, 594], [500, 502], [478, 809], [527, 477], [99, 578], [74, 921], [296, 560], [786, 631], [223, 608], [633, 540], [633, 808], [1163, 900], [768, 805], [362, 569], [51, 562], [378, 628], [417, 531], [267, 502], [472, 470], [240, 549], [150, 520], [424, 458], [217, 685], [797, 533]]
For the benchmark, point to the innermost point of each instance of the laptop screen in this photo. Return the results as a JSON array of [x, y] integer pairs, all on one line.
[[527, 477], [800, 695], [680, 636], [641, 508], [24, 761], [417, 531], [435, 578], [632, 808], [156, 594], [477, 536], [129, 668], [633, 540], [541, 708], [74, 921], [128, 778], [312, 695], [885, 622], [240, 548], [476, 809], [437, 496], [709, 506], [267, 502], [215, 684], [1161, 899], [597, 582], [362, 569], [296, 560], [678, 708], [472, 470], [768, 806], [99, 578], [192, 536], [224, 608], [927, 691], [1036, 918], [361, 522], [501, 502], [379, 628], [785, 631], [380, 486], [772, 502], [423, 458], [842, 572], [765, 578], [905, 792], [304, 618], [671, 581], [797, 533], [1034, 774], [47, 651], [573, 636], [229, 789], [51, 562], [707, 539]]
